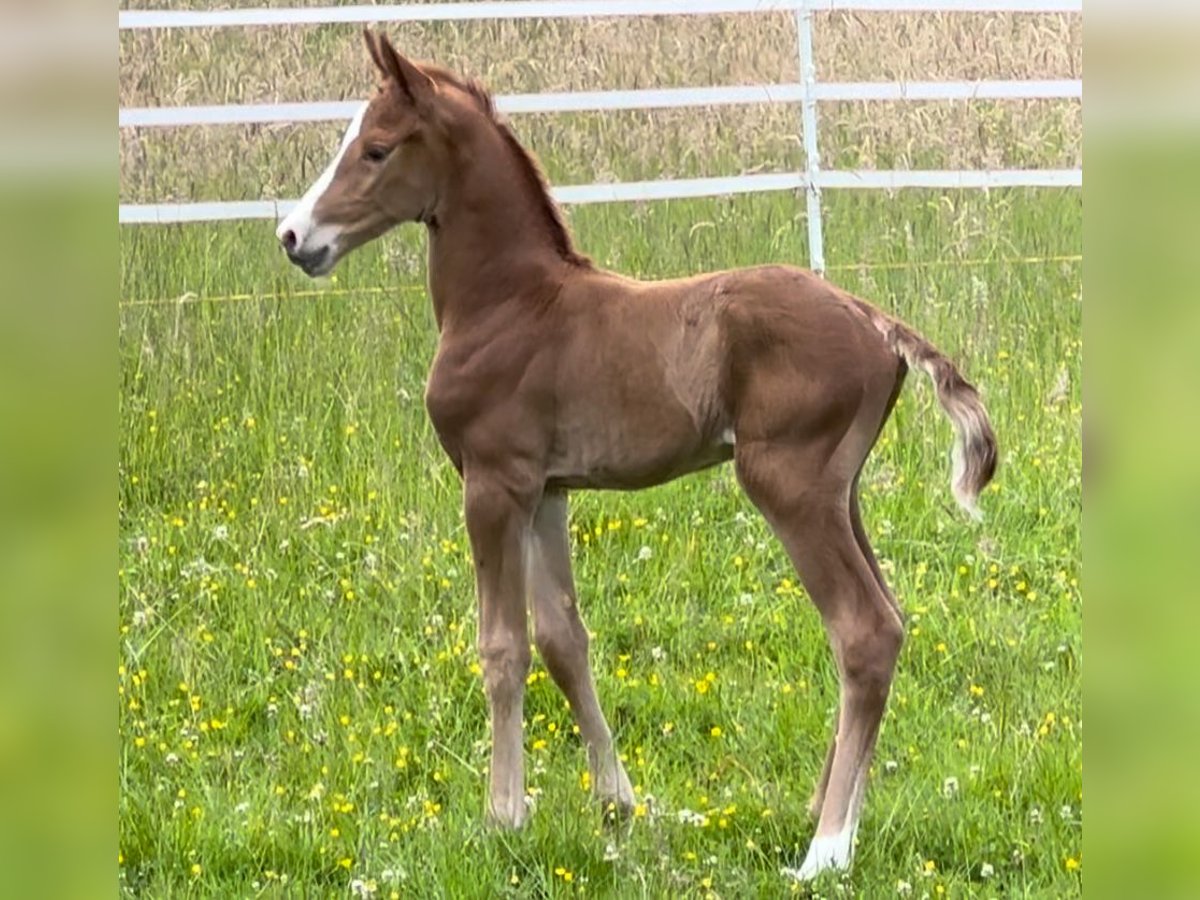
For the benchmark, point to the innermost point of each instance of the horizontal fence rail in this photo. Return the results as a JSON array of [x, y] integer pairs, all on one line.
[[596, 101], [680, 188], [555, 9], [807, 94]]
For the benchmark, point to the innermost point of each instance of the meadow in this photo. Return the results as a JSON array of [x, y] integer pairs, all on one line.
[[300, 706]]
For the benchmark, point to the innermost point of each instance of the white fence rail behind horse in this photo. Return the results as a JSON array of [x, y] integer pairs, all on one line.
[[808, 93]]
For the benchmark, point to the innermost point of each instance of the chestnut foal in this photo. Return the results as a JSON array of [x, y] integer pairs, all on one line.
[[552, 374]]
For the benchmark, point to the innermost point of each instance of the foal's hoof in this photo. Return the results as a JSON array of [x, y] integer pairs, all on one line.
[[825, 854], [508, 815], [615, 793]]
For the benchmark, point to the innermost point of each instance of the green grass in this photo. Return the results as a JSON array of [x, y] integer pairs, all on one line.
[[298, 700]]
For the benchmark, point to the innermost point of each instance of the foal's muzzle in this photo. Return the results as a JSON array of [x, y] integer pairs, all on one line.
[[314, 261]]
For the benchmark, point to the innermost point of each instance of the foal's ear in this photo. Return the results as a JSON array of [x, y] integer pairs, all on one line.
[[416, 84], [373, 49]]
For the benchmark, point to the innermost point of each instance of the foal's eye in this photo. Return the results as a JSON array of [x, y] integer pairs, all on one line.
[[376, 153]]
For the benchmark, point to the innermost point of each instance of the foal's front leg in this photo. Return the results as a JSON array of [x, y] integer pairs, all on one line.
[[498, 522], [562, 640]]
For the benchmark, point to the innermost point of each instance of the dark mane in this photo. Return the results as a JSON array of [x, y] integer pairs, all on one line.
[[530, 170]]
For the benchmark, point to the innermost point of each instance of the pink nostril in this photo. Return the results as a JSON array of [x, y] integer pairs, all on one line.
[[289, 241]]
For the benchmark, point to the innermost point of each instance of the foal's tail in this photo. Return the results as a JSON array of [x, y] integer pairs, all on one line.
[[974, 454]]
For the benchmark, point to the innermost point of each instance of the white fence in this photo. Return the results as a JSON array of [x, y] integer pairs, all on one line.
[[808, 93]]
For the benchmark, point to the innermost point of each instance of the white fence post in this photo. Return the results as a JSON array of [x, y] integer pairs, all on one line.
[[812, 156]]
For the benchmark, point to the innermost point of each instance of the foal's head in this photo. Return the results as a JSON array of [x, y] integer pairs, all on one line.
[[393, 162]]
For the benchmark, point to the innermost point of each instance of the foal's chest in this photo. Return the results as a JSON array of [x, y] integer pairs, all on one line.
[[484, 400]]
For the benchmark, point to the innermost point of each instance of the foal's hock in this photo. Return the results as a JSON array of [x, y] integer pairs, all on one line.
[[553, 374]]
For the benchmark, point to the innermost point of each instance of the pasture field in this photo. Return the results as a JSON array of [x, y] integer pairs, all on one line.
[[300, 706]]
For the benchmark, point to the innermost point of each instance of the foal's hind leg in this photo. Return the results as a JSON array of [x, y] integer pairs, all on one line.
[[562, 641], [860, 535], [807, 502]]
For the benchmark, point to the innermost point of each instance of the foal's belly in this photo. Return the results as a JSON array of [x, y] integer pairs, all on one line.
[[617, 457]]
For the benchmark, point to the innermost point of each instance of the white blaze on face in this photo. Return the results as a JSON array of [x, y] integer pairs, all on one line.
[[310, 237]]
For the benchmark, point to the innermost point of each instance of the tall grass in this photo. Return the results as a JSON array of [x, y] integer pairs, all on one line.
[[300, 706]]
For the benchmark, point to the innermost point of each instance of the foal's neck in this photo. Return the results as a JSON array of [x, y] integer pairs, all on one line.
[[493, 239]]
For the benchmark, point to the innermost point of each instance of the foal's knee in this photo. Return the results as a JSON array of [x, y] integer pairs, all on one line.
[[505, 662]]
